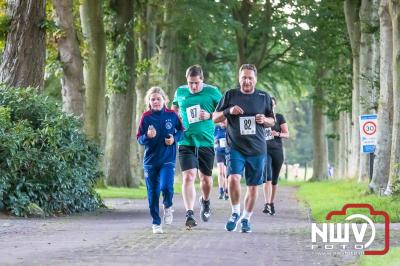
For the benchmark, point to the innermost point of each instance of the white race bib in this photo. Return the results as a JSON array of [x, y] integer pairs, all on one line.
[[222, 143], [247, 125], [193, 113], [268, 133]]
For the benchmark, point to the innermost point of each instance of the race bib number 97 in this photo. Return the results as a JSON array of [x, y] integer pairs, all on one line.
[[247, 125], [193, 113]]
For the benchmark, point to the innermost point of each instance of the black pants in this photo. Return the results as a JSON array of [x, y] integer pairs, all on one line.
[[274, 164]]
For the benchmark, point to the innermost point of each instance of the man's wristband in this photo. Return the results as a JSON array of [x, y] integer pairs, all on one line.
[[226, 112]]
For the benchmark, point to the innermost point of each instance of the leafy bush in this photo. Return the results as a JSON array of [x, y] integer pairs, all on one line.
[[396, 188], [45, 159]]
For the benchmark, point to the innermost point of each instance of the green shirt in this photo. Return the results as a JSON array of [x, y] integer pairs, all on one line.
[[198, 133]]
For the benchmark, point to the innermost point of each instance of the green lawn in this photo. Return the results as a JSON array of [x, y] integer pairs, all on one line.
[[392, 258], [130, 193], [323, 197]]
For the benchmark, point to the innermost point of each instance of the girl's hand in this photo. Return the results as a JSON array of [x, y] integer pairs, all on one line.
[[151, 132], [169, 140]]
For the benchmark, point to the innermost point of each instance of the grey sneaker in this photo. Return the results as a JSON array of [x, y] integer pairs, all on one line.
[[168, 216], [205, 211], [190, 221]]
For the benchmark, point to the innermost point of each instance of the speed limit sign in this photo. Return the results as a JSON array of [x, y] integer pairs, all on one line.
[[368, 127]]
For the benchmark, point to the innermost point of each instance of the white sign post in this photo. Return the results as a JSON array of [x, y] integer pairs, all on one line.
[[368, 127]]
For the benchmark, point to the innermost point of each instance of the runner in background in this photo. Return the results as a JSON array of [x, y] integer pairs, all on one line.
[[274, 136], [219, 146]]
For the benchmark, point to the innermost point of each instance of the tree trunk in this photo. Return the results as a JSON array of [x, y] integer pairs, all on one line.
[[367, 70], [122, 72], [336, 147], [147, 41], [351, 9], [94, 71], [24, 54], [245, 52], [340, 164], [73, 92], [320, 144], [394, 9], [171, 59], [345, 124], [385, 107]]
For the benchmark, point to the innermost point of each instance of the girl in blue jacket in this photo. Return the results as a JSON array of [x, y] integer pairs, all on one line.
[[159, 131]]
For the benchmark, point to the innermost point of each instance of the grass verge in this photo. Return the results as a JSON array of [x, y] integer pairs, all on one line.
[[323, 197], [129, 193], [392, 258]]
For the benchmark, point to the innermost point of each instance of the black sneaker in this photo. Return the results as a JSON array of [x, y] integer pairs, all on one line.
[[221, 195], [226, 197], [205, 211], [190, 221], [267, 208], [272, 212]]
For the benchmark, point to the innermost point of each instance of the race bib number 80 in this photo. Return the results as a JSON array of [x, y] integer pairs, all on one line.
[[193, 113], [268, 134], [247, 125]]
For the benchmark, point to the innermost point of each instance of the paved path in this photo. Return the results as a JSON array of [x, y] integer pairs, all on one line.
[[122, 235]]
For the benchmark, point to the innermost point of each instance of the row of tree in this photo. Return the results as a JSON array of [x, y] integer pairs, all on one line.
[[111, 52], [373, 31]]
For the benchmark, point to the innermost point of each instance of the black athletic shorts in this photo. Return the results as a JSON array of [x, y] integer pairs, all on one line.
[[220, 157], [201, 158]]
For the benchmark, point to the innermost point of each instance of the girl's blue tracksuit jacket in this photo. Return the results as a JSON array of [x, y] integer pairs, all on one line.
[[159, 158]]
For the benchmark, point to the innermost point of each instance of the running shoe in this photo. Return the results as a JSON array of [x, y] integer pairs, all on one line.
[[267, 208], [226, 197], [221, 195], [272, 209], [232, 222], [190, 221], [205, 211], [157, 229], [245, 226], [168, 216]]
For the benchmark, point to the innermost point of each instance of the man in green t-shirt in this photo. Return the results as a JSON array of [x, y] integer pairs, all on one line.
[[195, 103]]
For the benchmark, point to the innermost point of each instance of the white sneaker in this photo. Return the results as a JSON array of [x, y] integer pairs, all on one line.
[[168, 216], [157, 229]]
